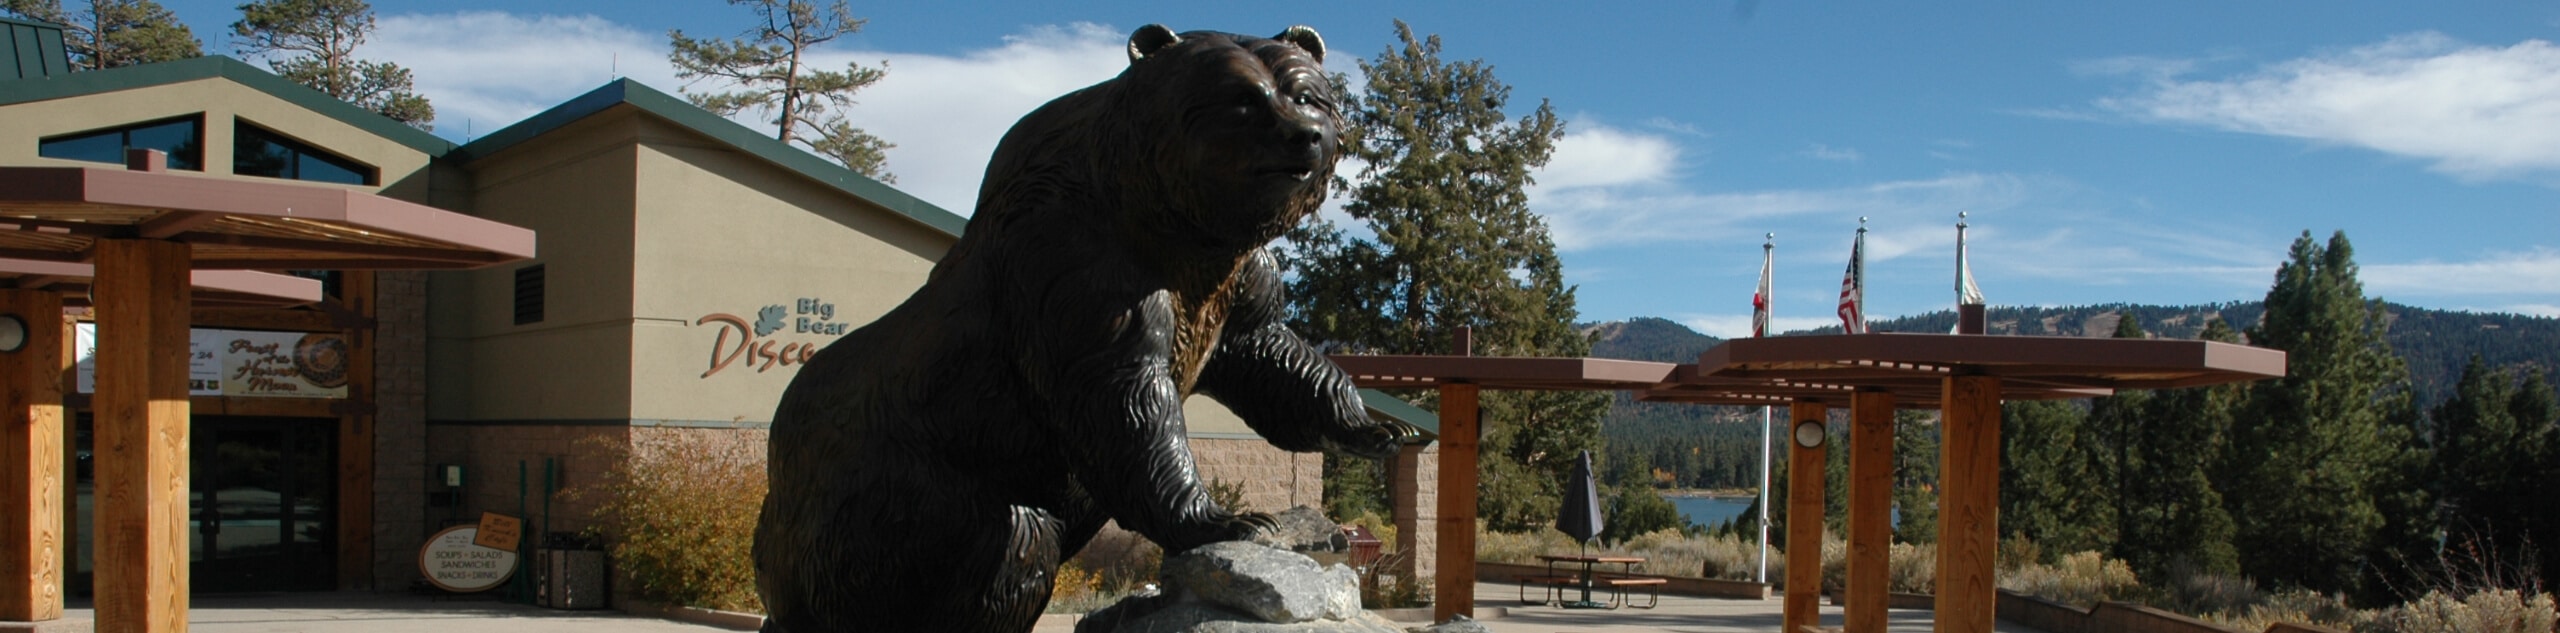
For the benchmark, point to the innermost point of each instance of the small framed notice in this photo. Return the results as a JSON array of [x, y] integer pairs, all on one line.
[[499, 531], [453, 562]]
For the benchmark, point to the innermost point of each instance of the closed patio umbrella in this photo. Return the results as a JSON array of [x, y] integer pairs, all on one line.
[[1580, 518]]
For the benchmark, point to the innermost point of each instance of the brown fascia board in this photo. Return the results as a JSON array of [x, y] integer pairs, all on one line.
[[168, 192]]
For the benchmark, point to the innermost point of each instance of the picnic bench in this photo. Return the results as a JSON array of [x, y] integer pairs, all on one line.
[[1621, 585]]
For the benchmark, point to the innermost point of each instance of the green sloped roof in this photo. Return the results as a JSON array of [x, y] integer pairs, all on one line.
[[31, 50], [212, 66], [683, 113], [1379, 403]]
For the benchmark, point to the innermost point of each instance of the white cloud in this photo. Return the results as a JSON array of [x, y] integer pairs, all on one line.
[[1818, 151], [1595, 155], [2527, 274], [485, 70], [1596, 217], [946, 112], [2471, 111], [2536, 309]]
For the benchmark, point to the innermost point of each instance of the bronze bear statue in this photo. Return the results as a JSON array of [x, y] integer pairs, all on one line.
[[930, 470]]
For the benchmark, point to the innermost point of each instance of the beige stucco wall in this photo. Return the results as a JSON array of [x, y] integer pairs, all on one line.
[[722, 232], [575, 188], [404, 172]]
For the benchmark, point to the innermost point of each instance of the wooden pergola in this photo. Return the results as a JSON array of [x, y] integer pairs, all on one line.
[[1964, 376], [144, 232]]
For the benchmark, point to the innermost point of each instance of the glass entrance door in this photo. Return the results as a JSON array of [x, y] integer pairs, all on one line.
[[261, 506]]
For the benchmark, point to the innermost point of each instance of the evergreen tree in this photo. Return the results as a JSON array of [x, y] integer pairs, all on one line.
[[2317, 467], [320, 38], [1915, 477], [2490, 455], [769, 68], [2173, 515], [2052, 491], [1456, 246], [2114, 421], [114, 33]]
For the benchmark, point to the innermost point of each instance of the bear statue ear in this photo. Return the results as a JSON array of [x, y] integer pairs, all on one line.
[[1306, 38], [1149, 39]]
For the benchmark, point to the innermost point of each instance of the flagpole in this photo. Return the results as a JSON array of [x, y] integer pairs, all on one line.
[[1760, 327]]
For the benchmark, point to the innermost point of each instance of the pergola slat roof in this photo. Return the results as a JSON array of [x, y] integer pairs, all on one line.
[[212, 288], [1828, 369], [58, 213], [1502, 372]]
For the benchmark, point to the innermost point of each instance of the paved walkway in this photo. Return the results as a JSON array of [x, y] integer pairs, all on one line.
[[408, 613]]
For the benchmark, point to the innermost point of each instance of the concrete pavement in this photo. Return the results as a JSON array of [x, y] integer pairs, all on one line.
[[409, 613]]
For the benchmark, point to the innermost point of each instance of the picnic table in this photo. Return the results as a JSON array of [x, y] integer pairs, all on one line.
[[1590, 575]]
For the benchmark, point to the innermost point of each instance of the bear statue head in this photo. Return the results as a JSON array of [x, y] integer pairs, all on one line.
[[1248, 128]]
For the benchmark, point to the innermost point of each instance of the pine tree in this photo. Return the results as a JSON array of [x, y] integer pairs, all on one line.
[[2490, 455], [2052, 490], [320, 37], [769, 68], [1915, 477], [2114, 421], [114, 33], [2174, 518], [2318, 468], [1456, 246]]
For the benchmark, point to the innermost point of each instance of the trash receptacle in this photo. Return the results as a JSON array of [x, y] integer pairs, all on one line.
[[568, 573], [1364, 546]]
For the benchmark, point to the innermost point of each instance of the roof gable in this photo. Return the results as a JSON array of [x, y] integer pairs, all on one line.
[[215, 66], [682, 113]]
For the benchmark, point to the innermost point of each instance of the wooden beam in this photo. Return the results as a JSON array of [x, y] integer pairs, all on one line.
[[1803, 606], [1870, 507], [1454, 589], [355, 441], [31, 449], [1968, 504], [141, 436]]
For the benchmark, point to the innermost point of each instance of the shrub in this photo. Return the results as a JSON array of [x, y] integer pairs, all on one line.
[[679, 509], [1914, 568], [2489, 611], [2083, 579], [2299, 607]]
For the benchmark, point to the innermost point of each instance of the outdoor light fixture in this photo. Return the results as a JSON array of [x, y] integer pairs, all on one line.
[[13, 333], [1809, 434]]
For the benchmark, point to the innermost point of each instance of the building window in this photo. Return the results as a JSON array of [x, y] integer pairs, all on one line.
[[182, 138], [529, 294], [258, 152]]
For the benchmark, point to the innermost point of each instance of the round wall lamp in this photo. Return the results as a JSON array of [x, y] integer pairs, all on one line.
[[13, 333], [1809, 434]]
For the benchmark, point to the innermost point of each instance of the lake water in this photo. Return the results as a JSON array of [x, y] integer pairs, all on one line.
[[1709, 511]]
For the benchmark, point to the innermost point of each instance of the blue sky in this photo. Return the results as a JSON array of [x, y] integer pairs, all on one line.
[[2158, 152]]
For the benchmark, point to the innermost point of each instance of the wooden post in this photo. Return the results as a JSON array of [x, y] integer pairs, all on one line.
[[1454, 591], [1870, 505], [1968, 504], [356, 430], [31, 475], [1803, 606], [141, 442]]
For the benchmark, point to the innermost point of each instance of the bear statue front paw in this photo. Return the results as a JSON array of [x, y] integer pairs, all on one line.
[[1243, 526]]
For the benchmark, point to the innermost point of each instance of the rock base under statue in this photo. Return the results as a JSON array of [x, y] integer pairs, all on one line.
[[1243, 587]]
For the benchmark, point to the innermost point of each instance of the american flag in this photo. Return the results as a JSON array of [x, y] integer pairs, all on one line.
[[1853, 292]]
